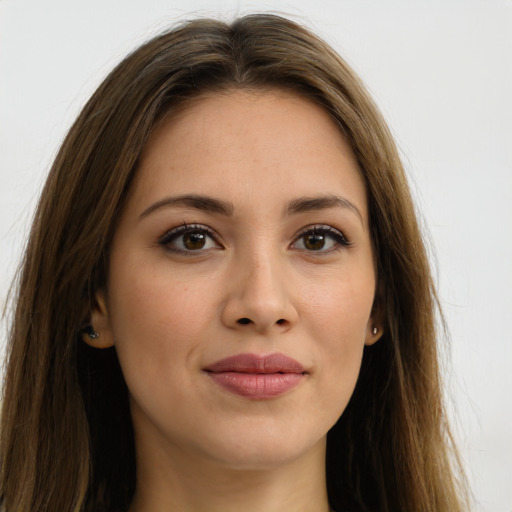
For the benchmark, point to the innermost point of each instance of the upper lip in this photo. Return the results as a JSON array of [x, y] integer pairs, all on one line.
[[256, 363]]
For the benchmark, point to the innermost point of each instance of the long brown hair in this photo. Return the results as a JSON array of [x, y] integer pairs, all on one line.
[[66, 435]]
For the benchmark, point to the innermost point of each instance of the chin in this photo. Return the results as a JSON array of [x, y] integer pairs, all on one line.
[[264, 448]]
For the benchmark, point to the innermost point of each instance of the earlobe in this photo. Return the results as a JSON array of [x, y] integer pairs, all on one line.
[[373, 334], [98, 333], [375, 329]]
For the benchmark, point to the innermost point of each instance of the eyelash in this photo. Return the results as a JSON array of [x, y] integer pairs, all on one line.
[[182, 230], [317, 230], [326, 231]]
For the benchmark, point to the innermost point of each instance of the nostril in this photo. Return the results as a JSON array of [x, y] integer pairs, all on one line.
[[243, 321], [281, 321]]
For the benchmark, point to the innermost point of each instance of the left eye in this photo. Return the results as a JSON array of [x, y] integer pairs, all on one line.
[[188, 239], [320, 239]]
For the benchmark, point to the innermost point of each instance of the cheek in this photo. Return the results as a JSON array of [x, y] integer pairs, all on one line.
[[339, 309], [155, 299], [338, 319], [157, 320]]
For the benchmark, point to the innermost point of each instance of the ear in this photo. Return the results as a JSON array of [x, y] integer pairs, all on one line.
[[375, 326], [101, 335], [373, 333]]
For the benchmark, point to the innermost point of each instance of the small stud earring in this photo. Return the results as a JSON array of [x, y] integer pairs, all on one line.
[[375, 331], [88, 329]]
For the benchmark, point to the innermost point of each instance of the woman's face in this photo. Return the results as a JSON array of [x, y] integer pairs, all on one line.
[[241, 281]]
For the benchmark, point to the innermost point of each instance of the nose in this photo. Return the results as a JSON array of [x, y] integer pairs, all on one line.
[[259, 296]]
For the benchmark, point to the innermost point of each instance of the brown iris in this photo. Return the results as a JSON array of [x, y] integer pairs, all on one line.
[[314, 242], [194, 240]]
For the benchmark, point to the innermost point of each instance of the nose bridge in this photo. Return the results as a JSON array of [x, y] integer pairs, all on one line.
[[261, 294], [263, 279]]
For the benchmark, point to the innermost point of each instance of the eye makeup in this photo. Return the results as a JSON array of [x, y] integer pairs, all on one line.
[[321, 238], [189, 238], [198, 238]]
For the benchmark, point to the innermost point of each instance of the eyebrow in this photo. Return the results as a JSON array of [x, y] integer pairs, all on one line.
[[197, 202], [212, 205], [307, 204]]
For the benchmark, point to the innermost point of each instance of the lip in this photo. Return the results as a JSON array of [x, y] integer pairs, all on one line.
[[257, 376]]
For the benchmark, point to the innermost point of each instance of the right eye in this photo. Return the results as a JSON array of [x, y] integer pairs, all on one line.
[[189, 239]]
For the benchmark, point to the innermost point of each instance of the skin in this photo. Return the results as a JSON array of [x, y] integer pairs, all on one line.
[[171, 310]]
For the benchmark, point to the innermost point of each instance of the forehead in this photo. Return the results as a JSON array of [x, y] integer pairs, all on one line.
[[243, 143]]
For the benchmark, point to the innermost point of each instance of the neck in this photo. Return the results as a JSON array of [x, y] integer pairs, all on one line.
[[174, 482]]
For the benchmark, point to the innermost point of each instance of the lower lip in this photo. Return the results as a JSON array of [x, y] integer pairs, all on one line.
[[257, 385]]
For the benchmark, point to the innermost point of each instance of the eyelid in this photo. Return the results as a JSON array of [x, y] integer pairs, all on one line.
[[326, 230], [336, 234], [174, 233]]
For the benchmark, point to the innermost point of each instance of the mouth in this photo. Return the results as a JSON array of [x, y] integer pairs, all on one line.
[[255, 376]]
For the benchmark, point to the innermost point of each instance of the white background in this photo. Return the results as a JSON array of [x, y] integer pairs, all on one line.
[[441, 72]]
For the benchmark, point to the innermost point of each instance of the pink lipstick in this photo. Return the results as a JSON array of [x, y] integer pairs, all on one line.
[[256, 376]]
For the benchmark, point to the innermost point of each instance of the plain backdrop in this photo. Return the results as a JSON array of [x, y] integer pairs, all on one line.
[[441, 71]]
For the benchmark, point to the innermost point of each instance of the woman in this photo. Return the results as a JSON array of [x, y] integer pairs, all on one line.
[[226, 302]]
